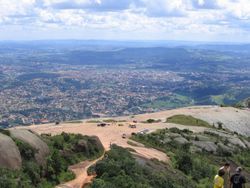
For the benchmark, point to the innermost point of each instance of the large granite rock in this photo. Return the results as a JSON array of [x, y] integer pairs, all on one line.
[[9, 154], [34, 141]]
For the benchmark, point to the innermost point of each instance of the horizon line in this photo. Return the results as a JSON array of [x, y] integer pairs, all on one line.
[[127, 40]]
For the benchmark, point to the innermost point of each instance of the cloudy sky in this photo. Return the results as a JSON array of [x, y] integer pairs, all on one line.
[[190, 20]]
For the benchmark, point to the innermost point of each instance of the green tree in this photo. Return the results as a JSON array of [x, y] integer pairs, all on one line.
[[33, 171], [184, 162]]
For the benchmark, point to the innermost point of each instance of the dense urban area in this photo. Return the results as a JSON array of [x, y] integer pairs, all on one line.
[[61, 82]]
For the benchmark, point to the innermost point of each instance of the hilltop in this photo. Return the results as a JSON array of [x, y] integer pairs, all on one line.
[[209, 134], [230, 118]]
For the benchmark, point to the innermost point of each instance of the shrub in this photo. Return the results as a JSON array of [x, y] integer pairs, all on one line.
[[184, 162], [220, 125], [4, 131], [27, 152]]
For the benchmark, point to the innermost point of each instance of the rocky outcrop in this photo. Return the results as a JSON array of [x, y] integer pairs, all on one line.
[[181, 140], [236, 141], [9, 154], [233, 119], [34, 141], [207, 146]]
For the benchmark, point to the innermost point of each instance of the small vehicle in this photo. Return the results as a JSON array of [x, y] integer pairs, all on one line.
[[132, 126], [124, 135], [101, 124]]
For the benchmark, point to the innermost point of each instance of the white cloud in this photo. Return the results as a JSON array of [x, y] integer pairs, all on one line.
[[130, 18], [163, 8], [206, 4]]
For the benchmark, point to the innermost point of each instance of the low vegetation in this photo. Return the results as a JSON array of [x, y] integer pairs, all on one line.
[[74, 121], [65, 150], [4, 131], [120, 169], [187, 120], [93, 121], [189, 153], [113, 121], [152, 121], [106, 121]]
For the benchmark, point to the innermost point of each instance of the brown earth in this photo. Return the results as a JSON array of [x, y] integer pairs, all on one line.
[[82, 177]]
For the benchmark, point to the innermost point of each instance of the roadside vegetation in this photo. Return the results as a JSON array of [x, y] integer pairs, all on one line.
[[106, 121], [113, 121], [93, 121], [152, 121], [65, 150], [187, 120], [74, 121]]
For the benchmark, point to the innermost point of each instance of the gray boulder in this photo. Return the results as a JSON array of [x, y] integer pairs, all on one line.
[[9, 154], [181, 140], [225, 148], [166, 140], [236, 141], [34, 141], [206, 145], [202, 138], [174, 135]]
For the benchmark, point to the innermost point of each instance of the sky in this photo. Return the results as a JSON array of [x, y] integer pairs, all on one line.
[[185, 20]]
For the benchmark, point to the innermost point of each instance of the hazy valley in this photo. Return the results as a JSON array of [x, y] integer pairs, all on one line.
[[67, 80]]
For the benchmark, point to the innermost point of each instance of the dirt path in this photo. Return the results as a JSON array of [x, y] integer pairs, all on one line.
[[82, 177], [108, 135]]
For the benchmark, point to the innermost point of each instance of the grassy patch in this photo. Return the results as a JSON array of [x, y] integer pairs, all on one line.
[[187, 120], [93, 121], [109, 121], [172, 101], [74, 121], [152, 121], [106, 121], [220, 99]]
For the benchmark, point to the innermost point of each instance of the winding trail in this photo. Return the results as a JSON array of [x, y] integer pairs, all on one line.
[[82, 177]]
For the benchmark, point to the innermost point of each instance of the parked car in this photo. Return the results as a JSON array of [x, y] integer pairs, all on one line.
[[132, 126], [124, 135], [101, 124]]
